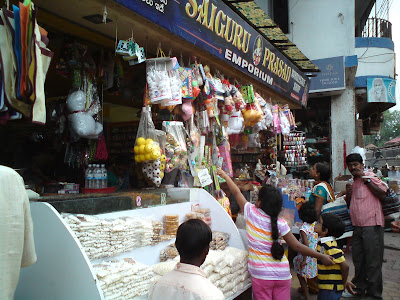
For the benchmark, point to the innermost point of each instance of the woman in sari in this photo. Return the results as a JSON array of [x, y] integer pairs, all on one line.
[[322, 192]]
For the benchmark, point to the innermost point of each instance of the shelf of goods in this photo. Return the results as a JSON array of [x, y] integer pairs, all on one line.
[[114, 255]]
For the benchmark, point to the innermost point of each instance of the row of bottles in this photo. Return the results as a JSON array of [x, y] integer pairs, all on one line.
[[96, 176]]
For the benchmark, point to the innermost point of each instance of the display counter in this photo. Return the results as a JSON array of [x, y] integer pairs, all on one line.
[[64, 269]]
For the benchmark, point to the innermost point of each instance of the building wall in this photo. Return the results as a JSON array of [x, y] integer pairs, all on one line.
[[375, 57], [343, 128], [322, 29]]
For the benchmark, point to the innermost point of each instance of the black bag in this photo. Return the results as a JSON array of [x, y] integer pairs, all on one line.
[[391, 203]]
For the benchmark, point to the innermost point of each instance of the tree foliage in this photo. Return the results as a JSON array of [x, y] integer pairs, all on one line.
[[390, 129]]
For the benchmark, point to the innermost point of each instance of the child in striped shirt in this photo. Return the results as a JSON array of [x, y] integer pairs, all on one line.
[[268, 266], [332, 280]]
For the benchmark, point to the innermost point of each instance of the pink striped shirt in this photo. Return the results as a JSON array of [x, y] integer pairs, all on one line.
[[261, 263], [365, 208]]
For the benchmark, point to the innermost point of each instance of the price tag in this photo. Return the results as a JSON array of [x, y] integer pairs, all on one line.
[[204, 177], [163, 198], [138, 201]]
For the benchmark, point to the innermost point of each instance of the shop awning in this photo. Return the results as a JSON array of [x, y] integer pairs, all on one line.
[[257, 18]]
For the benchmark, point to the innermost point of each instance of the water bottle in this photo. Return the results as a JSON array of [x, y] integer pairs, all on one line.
[[97, 177], [104, 176], [88, 176]]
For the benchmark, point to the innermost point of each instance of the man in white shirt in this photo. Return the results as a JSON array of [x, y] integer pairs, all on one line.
[[187, 281], [17, 247]]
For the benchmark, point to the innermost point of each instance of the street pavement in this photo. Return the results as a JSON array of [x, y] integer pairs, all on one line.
[[391, 272]]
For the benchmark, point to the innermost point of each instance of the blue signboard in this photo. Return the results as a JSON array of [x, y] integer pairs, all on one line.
[[381, 90], [331, 77], [214, 27]]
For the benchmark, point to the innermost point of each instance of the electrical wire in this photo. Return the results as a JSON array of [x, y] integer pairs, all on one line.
[[389, 53], [294, 5]]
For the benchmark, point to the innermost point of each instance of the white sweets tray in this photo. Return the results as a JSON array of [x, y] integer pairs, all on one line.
[[63, 270]]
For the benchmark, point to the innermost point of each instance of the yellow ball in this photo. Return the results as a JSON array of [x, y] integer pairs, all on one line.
[[148, 156], [161, 175], [149, 141], [163, 158], [157, 148], [148, 148], [142, 157], [137, 158], [140, 141], [141, 149], [162, 167], [136, 149]]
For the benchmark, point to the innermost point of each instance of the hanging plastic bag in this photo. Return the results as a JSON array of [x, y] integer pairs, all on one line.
[[220, 196], [175, 146], [149, 149], [284, 122]]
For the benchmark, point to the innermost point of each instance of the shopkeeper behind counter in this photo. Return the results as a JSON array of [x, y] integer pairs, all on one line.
[[118, 174]]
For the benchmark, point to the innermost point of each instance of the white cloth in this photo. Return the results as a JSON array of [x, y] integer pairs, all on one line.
[[16, 231], [185, 282]]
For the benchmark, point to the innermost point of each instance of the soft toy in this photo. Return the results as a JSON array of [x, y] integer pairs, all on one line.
[[81, 119]]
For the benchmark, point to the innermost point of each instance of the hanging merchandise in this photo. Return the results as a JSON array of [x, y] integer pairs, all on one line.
[[237, 98], [131, 51], [175, 146], [228, 99], [158, 79], [194, 149], [25, 61], [284, 122], [81, 114], [101, 150], [277, 123], [149, 149], [289, 116], [252, 113], [219, 194]]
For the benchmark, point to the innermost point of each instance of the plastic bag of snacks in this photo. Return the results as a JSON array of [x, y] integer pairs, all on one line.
[[252, 113], [171, 224], [175, 146], [285, 125]]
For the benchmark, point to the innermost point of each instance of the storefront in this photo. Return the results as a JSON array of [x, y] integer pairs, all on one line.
[[223, 94]]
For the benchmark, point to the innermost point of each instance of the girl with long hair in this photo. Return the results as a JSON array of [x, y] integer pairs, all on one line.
[[268, 266]]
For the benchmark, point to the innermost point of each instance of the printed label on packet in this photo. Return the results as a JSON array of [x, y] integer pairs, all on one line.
[[138, 201], [204, 177], [163, 198]]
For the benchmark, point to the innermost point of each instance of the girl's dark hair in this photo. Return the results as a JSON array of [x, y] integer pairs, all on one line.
[[271, 204], [307, 213], [324, 171]]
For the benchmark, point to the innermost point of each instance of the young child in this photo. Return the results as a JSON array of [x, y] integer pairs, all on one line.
[[305, 266], [268, 266], [332, 280]]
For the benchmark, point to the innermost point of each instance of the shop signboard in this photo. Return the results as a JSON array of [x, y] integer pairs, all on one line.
[[381, 90], [214, 27], [331, 77]]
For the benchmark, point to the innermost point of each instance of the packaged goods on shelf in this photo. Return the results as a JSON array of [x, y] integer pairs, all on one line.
[[105, 238], [168, 253], [123, 279], [165, 267], [219, 240], [227, 269], [171, 224]]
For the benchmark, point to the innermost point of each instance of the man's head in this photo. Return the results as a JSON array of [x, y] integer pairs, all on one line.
[[355, 164], [330, 225], [193, 242]]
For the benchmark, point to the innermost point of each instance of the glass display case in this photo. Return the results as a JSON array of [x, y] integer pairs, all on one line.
[[67, 267]]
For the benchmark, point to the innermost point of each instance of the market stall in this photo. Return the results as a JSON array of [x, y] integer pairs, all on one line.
[[121, 117], [69, 266]]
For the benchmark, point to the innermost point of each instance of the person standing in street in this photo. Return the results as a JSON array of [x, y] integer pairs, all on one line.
[[364, 199]]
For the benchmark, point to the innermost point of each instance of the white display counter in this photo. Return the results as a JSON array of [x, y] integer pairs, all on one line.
[[64, 271]]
